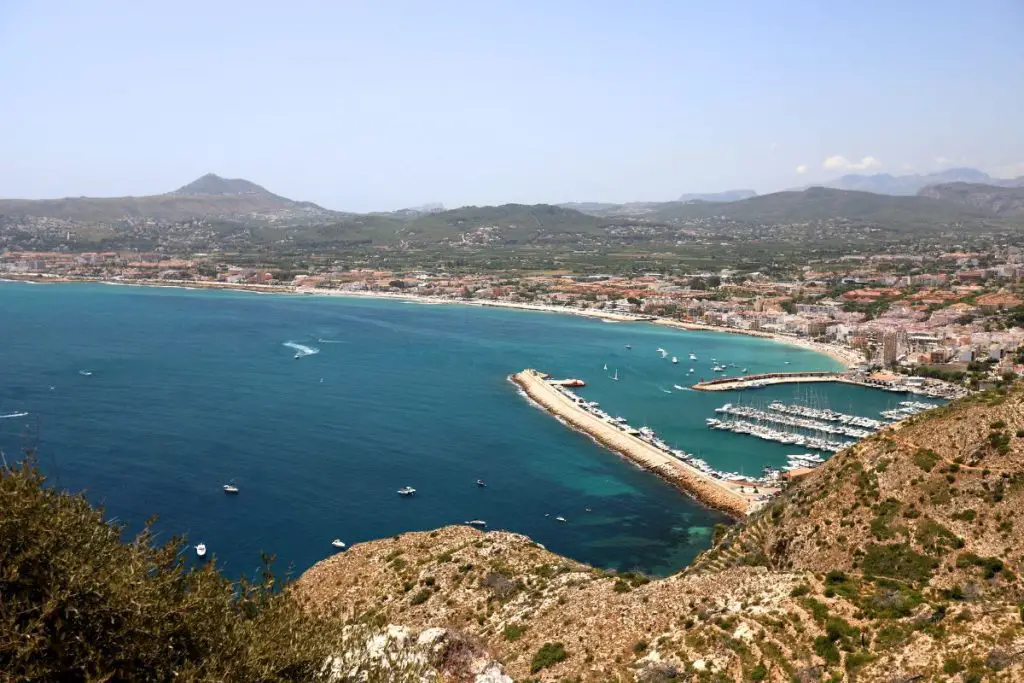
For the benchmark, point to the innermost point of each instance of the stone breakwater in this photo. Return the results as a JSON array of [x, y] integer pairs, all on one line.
[[722, 495]]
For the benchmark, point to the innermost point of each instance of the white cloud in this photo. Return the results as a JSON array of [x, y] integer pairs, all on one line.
[[841, 163], [942, 161], [801, 169]]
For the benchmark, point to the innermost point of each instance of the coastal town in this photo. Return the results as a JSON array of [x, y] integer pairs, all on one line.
[[951, 316]]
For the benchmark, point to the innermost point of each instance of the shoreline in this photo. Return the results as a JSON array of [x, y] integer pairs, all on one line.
[[706, 490], [846, 357]]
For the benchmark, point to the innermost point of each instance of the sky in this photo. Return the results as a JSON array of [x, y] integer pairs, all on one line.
[[382, 105]]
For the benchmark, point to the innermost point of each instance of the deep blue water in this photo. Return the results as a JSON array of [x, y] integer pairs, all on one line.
[[190, 389]]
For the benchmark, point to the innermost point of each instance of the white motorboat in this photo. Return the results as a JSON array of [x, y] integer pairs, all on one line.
[[337, 543], [674, 360], [477, 522], [606, 367], [481, 483], [406, 491], [560, 518], [693, 356], [201, 550], [85, 373], [230, 488], [616, 375]]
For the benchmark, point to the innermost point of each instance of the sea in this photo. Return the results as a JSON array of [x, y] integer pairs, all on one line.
[[148, 400]]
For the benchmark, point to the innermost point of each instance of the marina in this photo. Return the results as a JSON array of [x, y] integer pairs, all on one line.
[[731, 492]]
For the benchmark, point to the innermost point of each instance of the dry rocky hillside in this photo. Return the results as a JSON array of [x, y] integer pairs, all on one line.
[[896, 561]]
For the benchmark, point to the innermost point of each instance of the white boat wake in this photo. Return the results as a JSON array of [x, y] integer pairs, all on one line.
[[301, 349], [10, 415]]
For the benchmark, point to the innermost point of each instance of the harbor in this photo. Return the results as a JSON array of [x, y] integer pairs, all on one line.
[[727, 491]]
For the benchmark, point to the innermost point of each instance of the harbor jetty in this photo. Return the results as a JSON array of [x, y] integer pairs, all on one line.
[[738, 497], [767, 379], [898, 384]]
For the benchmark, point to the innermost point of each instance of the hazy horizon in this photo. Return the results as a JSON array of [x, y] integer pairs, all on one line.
[[368, 108]]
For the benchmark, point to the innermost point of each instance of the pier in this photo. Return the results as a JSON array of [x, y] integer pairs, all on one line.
[[736, 498]]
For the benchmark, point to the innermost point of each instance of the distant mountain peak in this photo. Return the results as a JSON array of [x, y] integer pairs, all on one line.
[[213, 184], [886, 183], [727, 196]]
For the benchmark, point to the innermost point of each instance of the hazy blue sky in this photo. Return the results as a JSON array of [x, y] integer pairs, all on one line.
[[379, 105]]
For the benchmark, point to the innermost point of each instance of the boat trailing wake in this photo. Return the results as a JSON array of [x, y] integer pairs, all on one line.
[[10, 415], [330, 341], [301, 349]]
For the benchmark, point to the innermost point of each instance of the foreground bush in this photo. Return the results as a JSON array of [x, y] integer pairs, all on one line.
[[77, 603]]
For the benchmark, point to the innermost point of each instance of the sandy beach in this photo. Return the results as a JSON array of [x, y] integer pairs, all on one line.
[[848, 357], [722, 495]]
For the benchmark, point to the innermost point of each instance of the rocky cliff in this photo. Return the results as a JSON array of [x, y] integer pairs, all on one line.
[[898, 561]]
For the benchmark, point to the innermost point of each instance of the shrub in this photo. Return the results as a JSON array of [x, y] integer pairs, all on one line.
[[826, 649], [640, 646], [421, 597], [898, 561], [548, 655], [759, 673], [514, 632], [81, 604], [925, 458]]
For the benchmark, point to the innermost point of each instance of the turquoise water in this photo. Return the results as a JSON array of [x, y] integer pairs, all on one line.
[[190, 389]]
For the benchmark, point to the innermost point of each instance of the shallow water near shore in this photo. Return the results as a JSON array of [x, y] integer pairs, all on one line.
[[321, 407]]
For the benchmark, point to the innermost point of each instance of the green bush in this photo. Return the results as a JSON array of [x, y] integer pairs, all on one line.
[[548, 655], [925, 458], [826, 649], [898, 561], [79, 604], [421, 597], [759, 673], [514, 632]]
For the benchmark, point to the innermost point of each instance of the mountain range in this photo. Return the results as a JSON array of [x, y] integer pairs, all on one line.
[[885, 183], [237, 213]]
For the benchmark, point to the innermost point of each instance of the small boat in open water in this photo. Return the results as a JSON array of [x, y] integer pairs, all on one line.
[[230, 488], [337, 543], [85, 373], [477, 522], [201, 550], [560, 518], [481, 483], [406, 491]]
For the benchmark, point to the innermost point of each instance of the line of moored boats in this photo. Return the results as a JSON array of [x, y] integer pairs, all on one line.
[[766, 416], [771, 434], [647, 435]]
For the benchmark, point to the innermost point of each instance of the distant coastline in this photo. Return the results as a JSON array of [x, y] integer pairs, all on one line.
[[843, 355]]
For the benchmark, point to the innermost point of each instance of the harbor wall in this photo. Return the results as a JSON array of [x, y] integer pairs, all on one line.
[[708, 490], [730, 383]]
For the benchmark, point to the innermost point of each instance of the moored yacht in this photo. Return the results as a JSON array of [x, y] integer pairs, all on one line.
[[337, 543], [674, 360], [406, 491], [201, 550]]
